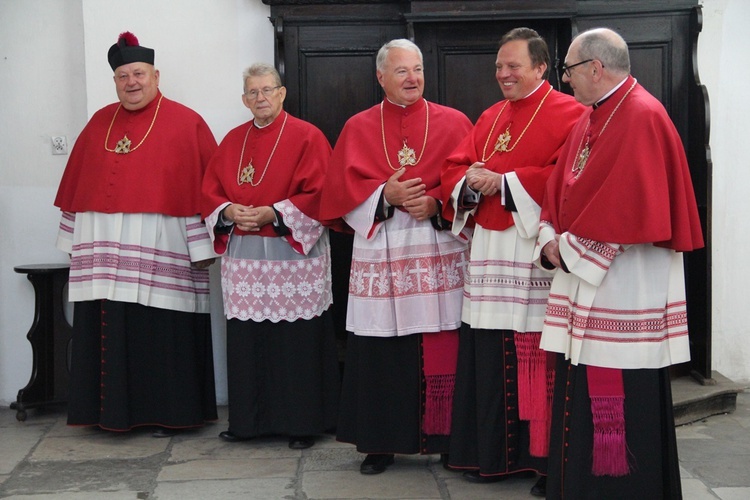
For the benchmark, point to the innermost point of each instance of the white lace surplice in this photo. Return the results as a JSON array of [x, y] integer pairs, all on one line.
[[265, 278]]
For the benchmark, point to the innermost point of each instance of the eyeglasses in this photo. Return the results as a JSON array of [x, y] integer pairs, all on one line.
[[266, 91], [566, 69]]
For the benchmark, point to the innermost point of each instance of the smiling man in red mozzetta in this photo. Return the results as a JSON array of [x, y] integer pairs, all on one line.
[[130, 197]]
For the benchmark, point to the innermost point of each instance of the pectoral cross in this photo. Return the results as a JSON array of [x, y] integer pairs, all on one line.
[[581, 160], [407, 156], [247, 173], [123, 146], [503, 141]]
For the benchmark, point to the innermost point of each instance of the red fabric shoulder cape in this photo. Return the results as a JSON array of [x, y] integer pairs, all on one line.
[[358, 164], [162, 175], [532, 158], [296, 171], [636, 185]]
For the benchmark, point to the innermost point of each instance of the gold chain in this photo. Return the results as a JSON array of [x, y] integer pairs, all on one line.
[[123, 145], [504, 138], [582, 155], [406, 155], [246, 174]]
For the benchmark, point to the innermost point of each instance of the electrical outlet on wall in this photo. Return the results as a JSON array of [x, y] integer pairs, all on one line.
[[59, 145]]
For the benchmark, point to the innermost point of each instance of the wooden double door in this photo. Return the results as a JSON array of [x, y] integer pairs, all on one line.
[[326, 49]]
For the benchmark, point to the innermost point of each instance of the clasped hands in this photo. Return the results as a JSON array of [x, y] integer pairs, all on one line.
[[249, 218], [482, 180], [410, 194]]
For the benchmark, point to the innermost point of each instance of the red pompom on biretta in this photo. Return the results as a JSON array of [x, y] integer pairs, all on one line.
[[130, 39]]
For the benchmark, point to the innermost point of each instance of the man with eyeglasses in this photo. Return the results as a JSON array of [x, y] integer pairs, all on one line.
[[130, 195], [567, 69], [260, 201], [494, 181], [407, 269], [619, 211]]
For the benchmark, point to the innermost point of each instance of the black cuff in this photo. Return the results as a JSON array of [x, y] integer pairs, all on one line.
[[462, 203], [382, 214], [544, 261], [510, 205], [221, 228], [281, 229], [437, 220]]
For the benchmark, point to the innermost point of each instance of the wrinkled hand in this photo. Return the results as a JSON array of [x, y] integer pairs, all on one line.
[[421, 208], [485, 181], [203, 264], [552, 251], [397, 192], [249, 218]]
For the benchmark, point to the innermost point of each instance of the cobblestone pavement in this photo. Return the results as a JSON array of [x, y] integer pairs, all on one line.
[[42, 458]]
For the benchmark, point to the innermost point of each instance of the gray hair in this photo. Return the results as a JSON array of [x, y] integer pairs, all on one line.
[[606, 46], [260, 69], [399, 43]]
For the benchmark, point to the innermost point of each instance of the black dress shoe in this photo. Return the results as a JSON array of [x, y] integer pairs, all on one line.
[[165, 432], [473, 476], [540, 488], [375, 464], [231, 437], [301, 442]]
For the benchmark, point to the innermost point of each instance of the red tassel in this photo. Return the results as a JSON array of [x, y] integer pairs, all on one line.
[[440, 351], [535, 381], [438, 404], [532, 376], [607, 394], [610, 449], [538, 438]]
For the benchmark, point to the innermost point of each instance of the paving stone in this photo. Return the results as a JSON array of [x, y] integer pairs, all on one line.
[[43, 458], [721, 471], [230, 489], [35, 416], [733, 493], [685, 473], [16, 443], [229, 469], [84, 476], [692, 431], [79, 495], [408, 482], [327, 459], [192, 449], [694, 489], [510, 489], [104, 445]]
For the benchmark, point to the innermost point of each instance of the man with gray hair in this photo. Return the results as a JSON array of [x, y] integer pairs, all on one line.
[[618, 213], [260, 201], [406, 281]]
